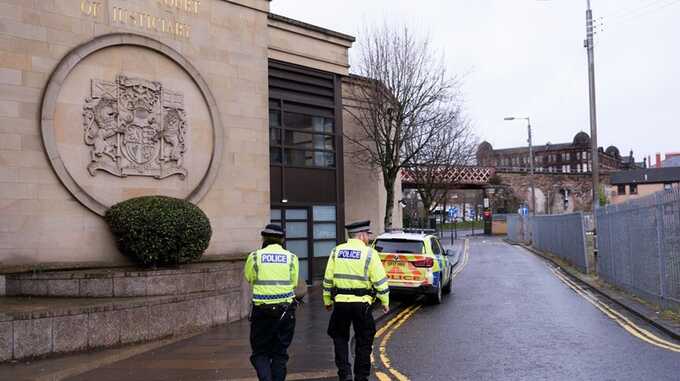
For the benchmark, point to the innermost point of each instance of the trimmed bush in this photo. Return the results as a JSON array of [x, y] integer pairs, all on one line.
[[159, 231]]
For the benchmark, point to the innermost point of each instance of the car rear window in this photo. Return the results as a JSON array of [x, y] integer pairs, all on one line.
[[399, 246]]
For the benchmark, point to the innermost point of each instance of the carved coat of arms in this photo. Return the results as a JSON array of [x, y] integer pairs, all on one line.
[[135, 127]]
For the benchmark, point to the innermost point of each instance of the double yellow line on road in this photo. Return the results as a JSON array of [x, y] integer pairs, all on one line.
[[621, 320], [393, 325]]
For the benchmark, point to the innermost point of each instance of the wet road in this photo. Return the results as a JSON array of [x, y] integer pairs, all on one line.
[[510, 318]]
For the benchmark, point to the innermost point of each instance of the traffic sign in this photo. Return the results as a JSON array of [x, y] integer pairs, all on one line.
[[453, 212]]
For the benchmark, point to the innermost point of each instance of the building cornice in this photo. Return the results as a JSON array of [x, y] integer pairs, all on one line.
[[313, 28]]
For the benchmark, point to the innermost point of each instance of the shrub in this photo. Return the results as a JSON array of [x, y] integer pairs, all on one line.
[[159, 231]]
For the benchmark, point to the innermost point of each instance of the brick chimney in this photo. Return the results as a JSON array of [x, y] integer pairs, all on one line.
[[658, 160]]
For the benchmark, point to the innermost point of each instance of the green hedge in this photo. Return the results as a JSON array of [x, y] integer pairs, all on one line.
[[159, 231]]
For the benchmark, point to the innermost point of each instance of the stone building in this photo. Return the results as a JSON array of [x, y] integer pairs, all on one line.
[[250, 105], [219, 102], [562, 172], [573, 157]]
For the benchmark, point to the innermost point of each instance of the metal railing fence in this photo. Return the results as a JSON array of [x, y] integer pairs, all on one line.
[[639, 246], [562, 235]]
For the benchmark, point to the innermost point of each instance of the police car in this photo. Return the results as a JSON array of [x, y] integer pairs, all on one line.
[[416, 262]]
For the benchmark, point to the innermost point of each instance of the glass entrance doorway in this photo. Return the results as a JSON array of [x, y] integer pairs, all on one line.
[[311, 233]]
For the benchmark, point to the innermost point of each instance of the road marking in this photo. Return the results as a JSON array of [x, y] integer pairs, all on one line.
[[621, 320], [393, 325], [466, 259], [392, 321], [383, 350]]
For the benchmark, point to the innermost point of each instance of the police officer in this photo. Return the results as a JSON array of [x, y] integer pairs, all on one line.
[[354, 277], [273, 273]]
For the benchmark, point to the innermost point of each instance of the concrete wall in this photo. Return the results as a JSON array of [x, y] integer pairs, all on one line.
[[228, 44]]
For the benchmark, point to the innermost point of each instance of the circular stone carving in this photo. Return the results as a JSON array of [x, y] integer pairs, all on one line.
[[172, 160]]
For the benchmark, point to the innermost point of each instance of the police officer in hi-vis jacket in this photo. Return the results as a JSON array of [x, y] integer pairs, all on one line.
[[273, 273], [354, 278]]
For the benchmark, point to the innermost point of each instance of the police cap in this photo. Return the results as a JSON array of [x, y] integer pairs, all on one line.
[[359, 226], [273, 230]]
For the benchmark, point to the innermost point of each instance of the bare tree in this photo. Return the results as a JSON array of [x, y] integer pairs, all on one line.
[[434, 166], [399, 101]]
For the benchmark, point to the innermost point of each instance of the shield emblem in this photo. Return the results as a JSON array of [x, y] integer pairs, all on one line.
[[141, 145]]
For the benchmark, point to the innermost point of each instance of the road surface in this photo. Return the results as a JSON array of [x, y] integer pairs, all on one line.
[[510, 317]]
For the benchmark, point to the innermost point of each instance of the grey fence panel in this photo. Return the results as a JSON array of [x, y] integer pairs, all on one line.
[[562, 235], [518, 228], [639, 246], [514, 228]]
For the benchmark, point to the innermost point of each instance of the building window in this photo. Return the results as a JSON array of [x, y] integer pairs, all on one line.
[[633, 188], [621, 190], [300, 136], [668, 186], [578, 156], [566, 156]]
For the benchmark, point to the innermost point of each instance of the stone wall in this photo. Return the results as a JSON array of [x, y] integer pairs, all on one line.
[[48, 326], [227, 44], [549, 199], [127, 283]]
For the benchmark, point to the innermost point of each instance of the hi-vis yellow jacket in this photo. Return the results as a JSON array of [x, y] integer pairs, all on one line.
[[353, 265], [273, 273]]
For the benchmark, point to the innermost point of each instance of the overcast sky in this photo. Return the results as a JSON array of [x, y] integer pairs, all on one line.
[[526, 57]]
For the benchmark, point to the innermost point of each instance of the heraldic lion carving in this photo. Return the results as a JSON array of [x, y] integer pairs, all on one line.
[[135, 127]]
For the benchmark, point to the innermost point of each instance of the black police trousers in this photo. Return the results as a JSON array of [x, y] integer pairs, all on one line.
[[271, 332], [360, 316]]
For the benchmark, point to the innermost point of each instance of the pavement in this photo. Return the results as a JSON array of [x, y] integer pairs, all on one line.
[[221, 353], [512, 316]]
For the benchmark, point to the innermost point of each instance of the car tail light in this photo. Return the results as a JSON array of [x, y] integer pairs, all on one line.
[[427, 262]]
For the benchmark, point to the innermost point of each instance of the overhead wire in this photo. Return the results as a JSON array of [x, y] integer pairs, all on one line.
[[632, 15], [628, 11]]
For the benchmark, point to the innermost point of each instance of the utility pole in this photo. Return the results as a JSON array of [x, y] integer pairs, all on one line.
[[531, 169], [593, 114]]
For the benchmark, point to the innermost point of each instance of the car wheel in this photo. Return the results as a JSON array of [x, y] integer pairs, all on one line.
[[447, 288], [436, 297]]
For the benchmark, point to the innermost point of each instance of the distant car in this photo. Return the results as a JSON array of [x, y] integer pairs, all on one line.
[[416, 262]]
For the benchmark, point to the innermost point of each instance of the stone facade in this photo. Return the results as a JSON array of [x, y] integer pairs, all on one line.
[[550, 191], [228, 45], [567, 158], [210, 58]]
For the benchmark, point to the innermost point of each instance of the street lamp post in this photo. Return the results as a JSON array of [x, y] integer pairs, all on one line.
[[531, 162]]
